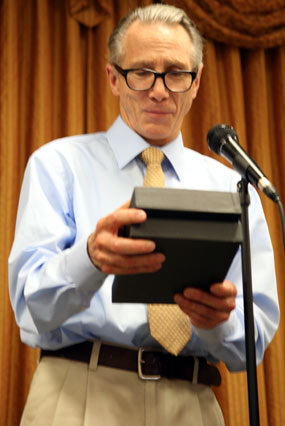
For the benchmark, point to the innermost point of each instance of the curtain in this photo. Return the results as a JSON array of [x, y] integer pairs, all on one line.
[[53, 84], [242, 23]]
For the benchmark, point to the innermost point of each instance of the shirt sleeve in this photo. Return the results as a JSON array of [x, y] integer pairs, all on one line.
[[227, 341], [50, 274]]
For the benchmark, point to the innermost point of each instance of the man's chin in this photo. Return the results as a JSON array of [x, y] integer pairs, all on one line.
[[157, 136]]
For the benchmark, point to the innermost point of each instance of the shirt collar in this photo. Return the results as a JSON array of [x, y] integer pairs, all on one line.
[[127, 145]]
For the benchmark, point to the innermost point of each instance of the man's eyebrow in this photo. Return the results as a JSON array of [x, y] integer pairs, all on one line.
[[151, 64], [142, 64]]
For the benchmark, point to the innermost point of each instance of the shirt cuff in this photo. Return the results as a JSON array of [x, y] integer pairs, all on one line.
[[221, 333], [81, 271]]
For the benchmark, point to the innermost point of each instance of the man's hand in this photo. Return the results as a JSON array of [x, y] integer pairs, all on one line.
[[113, 254], [207, 310]]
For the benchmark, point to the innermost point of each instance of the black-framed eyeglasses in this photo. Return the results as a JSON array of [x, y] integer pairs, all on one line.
[[142, 79]]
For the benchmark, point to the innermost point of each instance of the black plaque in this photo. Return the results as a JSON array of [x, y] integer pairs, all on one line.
[[198, 231]]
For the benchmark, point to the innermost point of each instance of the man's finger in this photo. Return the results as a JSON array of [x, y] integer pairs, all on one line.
[[123, 246], [224, 289], [121, 217], [122, 265]]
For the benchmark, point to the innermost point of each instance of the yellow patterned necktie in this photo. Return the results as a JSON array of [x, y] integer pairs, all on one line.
[[168, 324]]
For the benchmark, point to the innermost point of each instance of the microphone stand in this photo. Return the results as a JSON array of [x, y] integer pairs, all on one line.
[[248, 306]]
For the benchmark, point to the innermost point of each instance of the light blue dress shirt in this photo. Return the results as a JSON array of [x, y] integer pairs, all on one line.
[[60, 298]]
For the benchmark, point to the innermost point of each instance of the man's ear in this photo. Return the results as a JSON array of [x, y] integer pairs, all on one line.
[[113, 78], [196, 83]]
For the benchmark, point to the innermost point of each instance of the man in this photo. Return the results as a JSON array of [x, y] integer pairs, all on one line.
[[67, 249]]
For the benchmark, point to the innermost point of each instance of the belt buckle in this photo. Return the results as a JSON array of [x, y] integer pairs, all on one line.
[[140, 372]]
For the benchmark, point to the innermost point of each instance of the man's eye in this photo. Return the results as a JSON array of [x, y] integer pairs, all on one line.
[[175, 74], [141, 73]]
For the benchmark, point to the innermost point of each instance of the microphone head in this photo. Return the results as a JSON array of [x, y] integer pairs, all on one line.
[[218, 134]]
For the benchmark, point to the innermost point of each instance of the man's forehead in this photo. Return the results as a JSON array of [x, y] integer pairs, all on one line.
[[169, 43]]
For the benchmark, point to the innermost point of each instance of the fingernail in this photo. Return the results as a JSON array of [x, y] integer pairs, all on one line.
[[187, 292], [150, 245], [140, 214]]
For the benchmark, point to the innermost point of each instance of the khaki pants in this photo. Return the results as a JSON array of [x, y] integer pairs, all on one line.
[[71, 393]]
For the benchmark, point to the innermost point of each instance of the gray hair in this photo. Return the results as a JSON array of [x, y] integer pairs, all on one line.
[[161, 13]]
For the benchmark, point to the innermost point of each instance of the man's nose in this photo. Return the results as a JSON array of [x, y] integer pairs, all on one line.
[[159, 91]]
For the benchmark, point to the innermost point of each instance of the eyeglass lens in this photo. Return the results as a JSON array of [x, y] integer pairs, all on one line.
[[143, 80]]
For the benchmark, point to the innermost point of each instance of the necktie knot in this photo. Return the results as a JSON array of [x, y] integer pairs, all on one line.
[[152, 155]]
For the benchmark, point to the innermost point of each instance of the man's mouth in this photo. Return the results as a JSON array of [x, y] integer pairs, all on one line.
[[158, 113]]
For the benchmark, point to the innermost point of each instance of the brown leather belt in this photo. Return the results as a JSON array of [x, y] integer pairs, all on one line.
[[150, 365]]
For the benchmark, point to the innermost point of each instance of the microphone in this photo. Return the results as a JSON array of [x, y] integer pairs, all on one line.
[[223, 140]]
